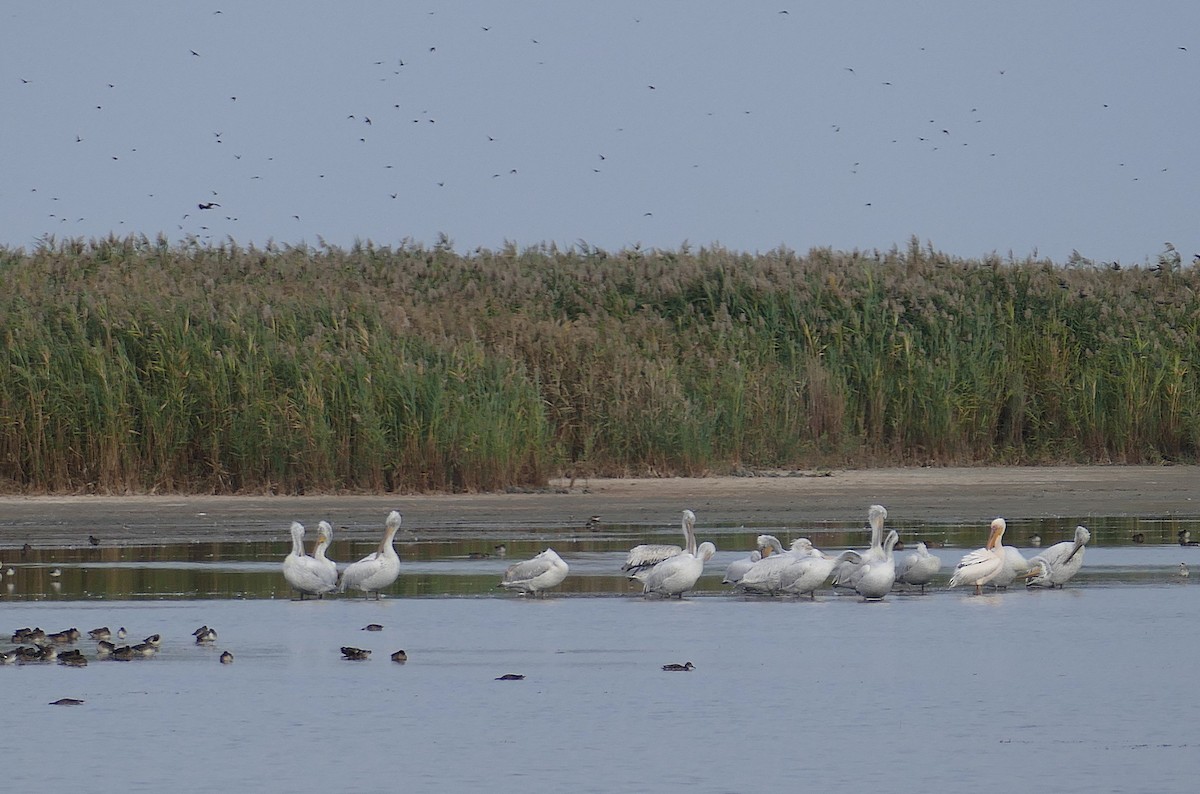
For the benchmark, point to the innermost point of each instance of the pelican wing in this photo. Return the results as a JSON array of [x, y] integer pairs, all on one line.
[[647, 555], [521, 572]]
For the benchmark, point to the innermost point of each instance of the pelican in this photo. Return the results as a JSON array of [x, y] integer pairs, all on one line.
[[1056, 565], [849, 570], [982, 565], [300, 570], [543, 571], [876, 576], [919, 568], [808, 573], [737, 569], [768, 545], [647, 555], [1014, 565], [379, 568], [766, 576], [676, 575], [322, 565]]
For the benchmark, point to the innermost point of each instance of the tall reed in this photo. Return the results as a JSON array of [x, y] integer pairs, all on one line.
[[133, 365]]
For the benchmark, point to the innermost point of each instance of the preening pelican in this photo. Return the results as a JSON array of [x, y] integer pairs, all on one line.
[[325, 567], [737, 569], [676, 575], [919, 567], [379, 568], [300, 570], [1055, 566], [768, 545], [982, 565], [808, 573], [766, 576], [647, 555], [545, 570], [876, 576], [847, 572]]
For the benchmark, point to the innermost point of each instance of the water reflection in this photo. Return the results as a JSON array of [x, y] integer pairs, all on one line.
[[1122, 550]]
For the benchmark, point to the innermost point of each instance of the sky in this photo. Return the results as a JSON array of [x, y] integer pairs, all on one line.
[[1022, 128]]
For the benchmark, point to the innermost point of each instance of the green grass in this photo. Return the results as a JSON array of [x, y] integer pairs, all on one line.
[[135, 365]]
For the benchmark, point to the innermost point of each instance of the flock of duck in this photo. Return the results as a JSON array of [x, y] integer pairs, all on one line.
[[44, 647], [670, 570]]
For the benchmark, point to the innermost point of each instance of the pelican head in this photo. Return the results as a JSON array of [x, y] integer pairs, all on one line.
[[706, 551], [1082, 536], [802, 545], [875, 515], [689, 518], [997, 532], [324, 532]]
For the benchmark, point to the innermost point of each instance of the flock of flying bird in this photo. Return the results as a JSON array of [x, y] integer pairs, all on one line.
[[670, 570]]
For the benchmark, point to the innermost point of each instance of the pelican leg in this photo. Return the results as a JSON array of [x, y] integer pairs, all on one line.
[[978, 589]]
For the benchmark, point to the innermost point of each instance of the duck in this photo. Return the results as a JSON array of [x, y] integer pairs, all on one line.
[[8, 657], [982, 565], [919, 567], [510, 677], [676, 575], [104, 649], [154, 640], [1055, 566], [372, 627], [73, 660], [355, 654], [206, 636], [647, 555], [122, 654], [536, 575], [1185, 538], [1036, 540], [300, 570], [380, 568], [1138, 537], [226, 657], [102, 633], [1183, 570], [679, 668], [400, 656]]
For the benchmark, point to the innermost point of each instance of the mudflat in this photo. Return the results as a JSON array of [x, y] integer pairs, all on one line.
[[784, 498]]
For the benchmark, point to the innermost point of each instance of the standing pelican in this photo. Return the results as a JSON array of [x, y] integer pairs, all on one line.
[[808, 573], [300, 570], [1056, 565], [379, 568], [543, 571], [737, 569], [876, 576], [919, 568], [325, 567], [982, 565], [676, 575], [647, 555], [847, 572]]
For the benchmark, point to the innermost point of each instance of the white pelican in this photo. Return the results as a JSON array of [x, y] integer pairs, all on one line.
[[1056, 565], [300, 570], [919, 568], [379, 568], [982, 565], [545, 570], [876, 576], [325, 567], [768, 545], [847, 572], [765, 577], [1014, 565], [647, 555], [808, 573], [737, 569], [676, 575]]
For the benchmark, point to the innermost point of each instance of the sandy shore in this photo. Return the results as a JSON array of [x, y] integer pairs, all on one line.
[[936, 494]]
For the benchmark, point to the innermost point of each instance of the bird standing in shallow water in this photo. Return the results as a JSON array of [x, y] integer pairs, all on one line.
[[982, 565], [1183, 570], [536, 575], [378, 569]]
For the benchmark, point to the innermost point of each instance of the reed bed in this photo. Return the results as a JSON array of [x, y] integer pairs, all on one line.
[[140, 365]]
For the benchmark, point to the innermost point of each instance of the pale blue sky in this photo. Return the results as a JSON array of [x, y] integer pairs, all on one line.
[[1022, 127]]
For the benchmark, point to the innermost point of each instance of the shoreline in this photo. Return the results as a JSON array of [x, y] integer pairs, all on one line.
[[782, 498]]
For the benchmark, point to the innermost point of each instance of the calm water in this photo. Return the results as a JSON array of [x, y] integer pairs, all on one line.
[[1086, 689]]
